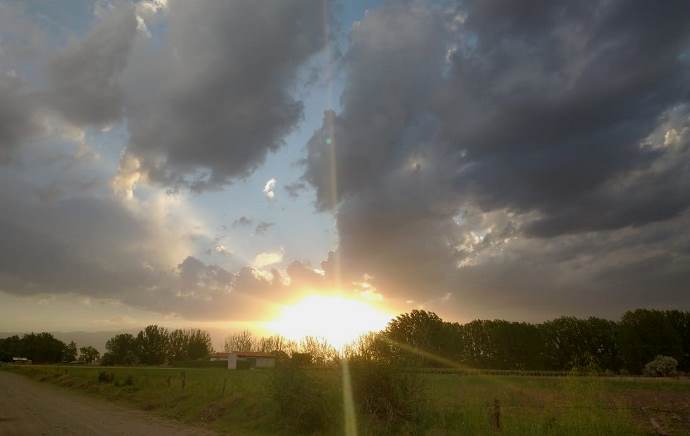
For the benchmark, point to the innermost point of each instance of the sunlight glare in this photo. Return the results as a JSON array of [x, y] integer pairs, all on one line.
[[338, 319]]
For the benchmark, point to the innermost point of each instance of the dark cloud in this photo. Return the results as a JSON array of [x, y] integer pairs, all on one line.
[[515, 159], [16, 116], [294, 189], [477, 141], [262, 227], [242, 221], [207, 106], [551, 103], [212, 94], [85, 77], [135, 261], [74, 253]]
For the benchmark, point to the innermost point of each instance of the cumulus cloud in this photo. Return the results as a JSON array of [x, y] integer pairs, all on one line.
[[200, 108], [20, 41], [267, 258], [495, 157], [84, 78], [206, 107], [477, 141], [17, 121], [99, 247]]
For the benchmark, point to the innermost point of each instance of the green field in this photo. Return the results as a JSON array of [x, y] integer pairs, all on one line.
[[244, 402]]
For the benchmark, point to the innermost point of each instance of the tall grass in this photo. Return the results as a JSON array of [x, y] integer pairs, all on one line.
[[387, 401]]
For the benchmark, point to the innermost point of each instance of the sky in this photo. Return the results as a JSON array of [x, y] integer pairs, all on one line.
[[208, 163]]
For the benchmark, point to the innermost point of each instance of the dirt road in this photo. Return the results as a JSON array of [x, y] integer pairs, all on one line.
[[30, 408]]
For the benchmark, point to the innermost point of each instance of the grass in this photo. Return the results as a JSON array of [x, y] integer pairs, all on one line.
[[244, 402]]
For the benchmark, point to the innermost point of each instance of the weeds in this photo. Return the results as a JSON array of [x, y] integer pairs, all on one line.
[[106, 377], [302, 403], [392, 401]]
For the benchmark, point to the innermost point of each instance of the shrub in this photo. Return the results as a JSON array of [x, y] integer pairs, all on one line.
[[301, 400], [391, 398], [105, 377], [585, 365], [128, 381], [661, 366]]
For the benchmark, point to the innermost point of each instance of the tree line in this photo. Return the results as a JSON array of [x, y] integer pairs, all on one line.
[[153, 345], [422, 338], [415, 339], [45, 348], [156, 345], [311, 351]]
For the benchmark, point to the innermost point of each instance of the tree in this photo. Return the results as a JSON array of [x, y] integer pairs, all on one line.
[[578, 343], [419, 338], [178, 346], [242, 341], [41, 348], [10, 347], [152, 344], [88, 354], [276, 344], [368, 347], [681, 324], [507, 345], [645, 334], [70, 352], [320, 351], [190, 344], [121, 349], [199, 345]]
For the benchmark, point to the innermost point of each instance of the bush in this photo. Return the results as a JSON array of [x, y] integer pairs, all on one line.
[[661, 366], [105, 377], [391, 398], [127, 381], [302, 404]]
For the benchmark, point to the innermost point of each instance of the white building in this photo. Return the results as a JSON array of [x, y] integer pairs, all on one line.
[[252, 359]]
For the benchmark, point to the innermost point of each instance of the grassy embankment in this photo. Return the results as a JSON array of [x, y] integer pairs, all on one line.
[[245, 402]]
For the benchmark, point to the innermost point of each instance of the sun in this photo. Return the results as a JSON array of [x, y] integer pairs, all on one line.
[[338, 319]]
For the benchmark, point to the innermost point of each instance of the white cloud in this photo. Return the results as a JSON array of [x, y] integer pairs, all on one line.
[[267, 258], [127, 177], [269, 189]]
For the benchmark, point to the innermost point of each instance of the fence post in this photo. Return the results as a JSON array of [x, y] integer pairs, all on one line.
[[496, 416]]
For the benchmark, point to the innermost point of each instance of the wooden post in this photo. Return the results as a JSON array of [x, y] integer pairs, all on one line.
[[184, 379], [496, 416]]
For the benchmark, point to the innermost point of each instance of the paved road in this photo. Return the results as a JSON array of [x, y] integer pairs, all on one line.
[[29, 408]]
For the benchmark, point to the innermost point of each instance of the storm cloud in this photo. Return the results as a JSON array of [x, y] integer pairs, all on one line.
[[203, 103], [518, 159], [84, 78], [16, 117], [207, 106], [471, 157]]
